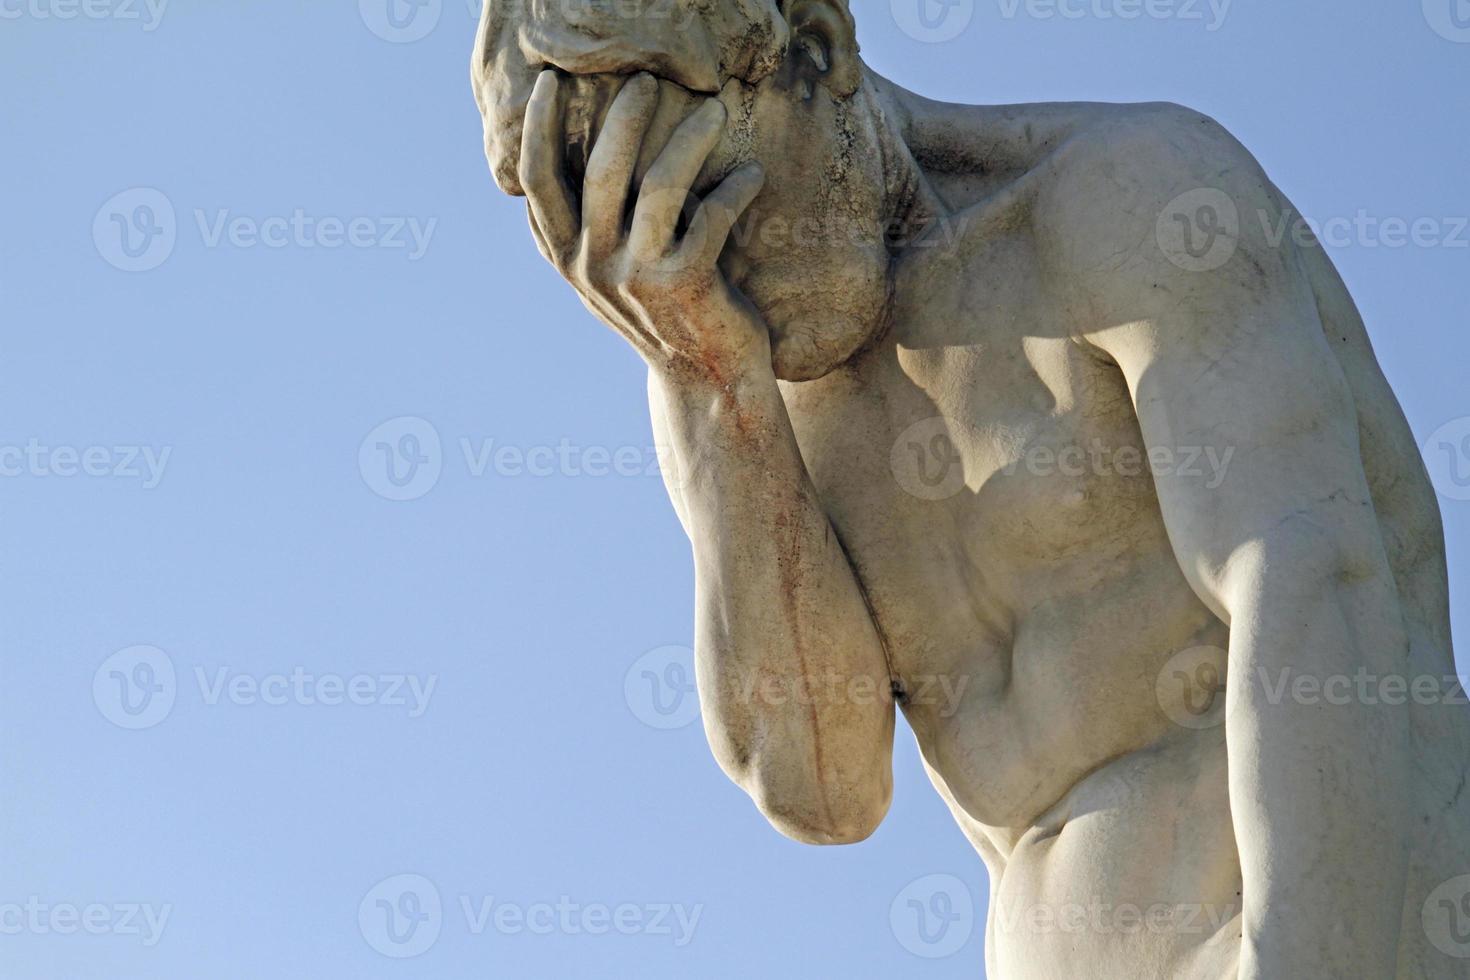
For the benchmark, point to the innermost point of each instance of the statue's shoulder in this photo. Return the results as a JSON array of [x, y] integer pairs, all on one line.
[[1090, 171], [1123, 163], [1153, 190]]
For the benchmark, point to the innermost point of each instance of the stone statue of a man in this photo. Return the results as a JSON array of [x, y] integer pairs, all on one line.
[[1019, 418]]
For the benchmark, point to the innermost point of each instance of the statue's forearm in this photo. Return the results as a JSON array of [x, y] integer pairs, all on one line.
[[792, 676], [793, 680]]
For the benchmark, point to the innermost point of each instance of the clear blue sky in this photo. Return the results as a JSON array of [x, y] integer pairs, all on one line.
[[261, 562]]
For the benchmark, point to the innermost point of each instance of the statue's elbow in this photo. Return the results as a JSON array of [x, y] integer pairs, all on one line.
[[840, 799], [825, 815]]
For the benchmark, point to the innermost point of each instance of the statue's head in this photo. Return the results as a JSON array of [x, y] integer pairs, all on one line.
[[811, 253]]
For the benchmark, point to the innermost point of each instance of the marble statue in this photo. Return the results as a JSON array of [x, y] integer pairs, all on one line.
[[1027, 421]]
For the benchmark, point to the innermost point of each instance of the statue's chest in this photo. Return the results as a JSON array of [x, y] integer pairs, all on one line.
[[972, 483]]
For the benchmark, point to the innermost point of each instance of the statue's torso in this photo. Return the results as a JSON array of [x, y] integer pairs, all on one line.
[[1029, 602], [1057, 666]]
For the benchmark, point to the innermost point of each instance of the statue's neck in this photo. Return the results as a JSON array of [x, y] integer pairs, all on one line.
[[942, 157]]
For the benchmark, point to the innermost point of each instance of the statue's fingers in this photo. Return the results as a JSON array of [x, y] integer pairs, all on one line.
[[665, 189], [722, 207], [610, 167], [601, 306], [541, 170]]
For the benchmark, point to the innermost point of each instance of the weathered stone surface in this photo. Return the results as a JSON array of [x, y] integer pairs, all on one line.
[[1018, 417]]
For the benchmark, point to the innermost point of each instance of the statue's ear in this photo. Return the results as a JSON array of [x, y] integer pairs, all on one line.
[[824, 44]]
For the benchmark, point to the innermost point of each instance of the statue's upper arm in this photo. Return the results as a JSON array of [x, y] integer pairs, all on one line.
[[1221, 346]]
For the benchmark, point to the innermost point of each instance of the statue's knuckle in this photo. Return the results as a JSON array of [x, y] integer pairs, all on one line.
[[634, 289], [581, 268], [643, 288]]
